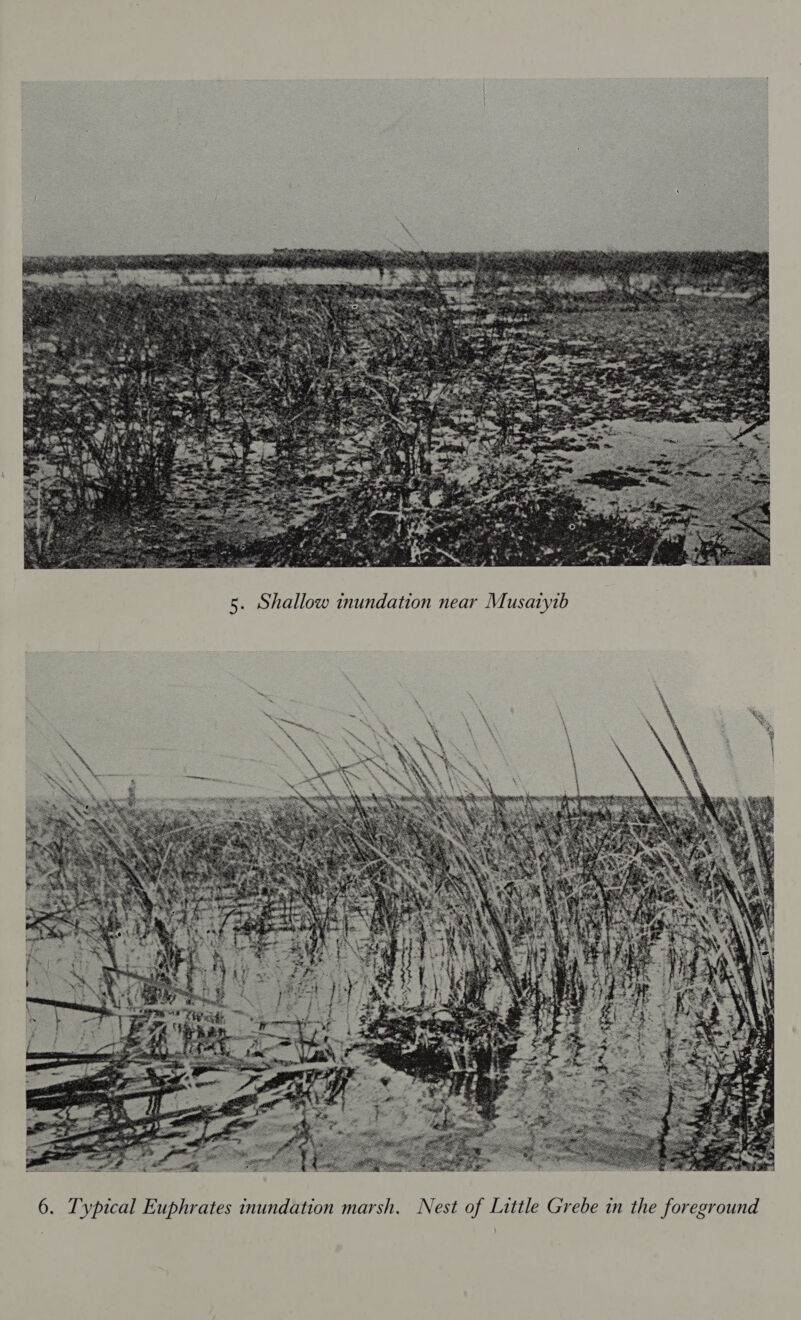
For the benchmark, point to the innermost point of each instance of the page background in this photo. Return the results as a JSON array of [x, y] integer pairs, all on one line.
[[231, 1267]]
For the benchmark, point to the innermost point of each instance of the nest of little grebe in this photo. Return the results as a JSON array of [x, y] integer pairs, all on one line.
[[443, 1040]]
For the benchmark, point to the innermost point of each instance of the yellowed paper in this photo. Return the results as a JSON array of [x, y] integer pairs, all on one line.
[[731, 633]]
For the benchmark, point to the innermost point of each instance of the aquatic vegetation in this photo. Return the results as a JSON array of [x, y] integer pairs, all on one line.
[[222, 422], [193, 967]]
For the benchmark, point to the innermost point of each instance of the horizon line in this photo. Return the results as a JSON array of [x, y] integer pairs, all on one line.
[[389, 797], [400, 253]]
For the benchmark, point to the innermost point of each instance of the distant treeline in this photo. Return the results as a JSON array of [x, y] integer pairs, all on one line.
[[745, 267]]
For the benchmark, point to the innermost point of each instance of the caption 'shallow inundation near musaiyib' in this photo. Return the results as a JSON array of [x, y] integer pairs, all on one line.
[[396, 322], [398, 912]]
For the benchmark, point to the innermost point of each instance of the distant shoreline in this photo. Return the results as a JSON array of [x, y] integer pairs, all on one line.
[[255, 799], [699, 264]]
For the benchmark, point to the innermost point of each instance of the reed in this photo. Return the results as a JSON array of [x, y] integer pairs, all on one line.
[[460, 904], [125, 385]]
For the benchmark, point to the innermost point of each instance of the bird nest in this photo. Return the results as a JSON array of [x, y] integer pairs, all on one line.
[[443, 1039]]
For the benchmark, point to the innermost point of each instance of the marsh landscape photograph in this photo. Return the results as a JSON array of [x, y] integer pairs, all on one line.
[[398, 912], [396, 322]]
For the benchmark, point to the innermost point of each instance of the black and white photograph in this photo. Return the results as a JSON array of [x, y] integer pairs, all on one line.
[[402, 911], [397, 322]]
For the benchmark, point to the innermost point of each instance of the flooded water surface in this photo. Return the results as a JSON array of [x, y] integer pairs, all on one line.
[[193, 421], [298, 1028]]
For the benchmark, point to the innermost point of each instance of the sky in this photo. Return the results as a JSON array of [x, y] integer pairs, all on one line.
[[627, 164], [187, 724]]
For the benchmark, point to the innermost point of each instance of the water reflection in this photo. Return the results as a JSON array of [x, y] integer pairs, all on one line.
[[621, 1077]]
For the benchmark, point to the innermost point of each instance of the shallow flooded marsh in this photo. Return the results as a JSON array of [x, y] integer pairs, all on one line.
[[441, 979], [415, 416]]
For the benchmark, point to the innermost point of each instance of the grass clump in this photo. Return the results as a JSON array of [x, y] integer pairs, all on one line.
[[504, 514]]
